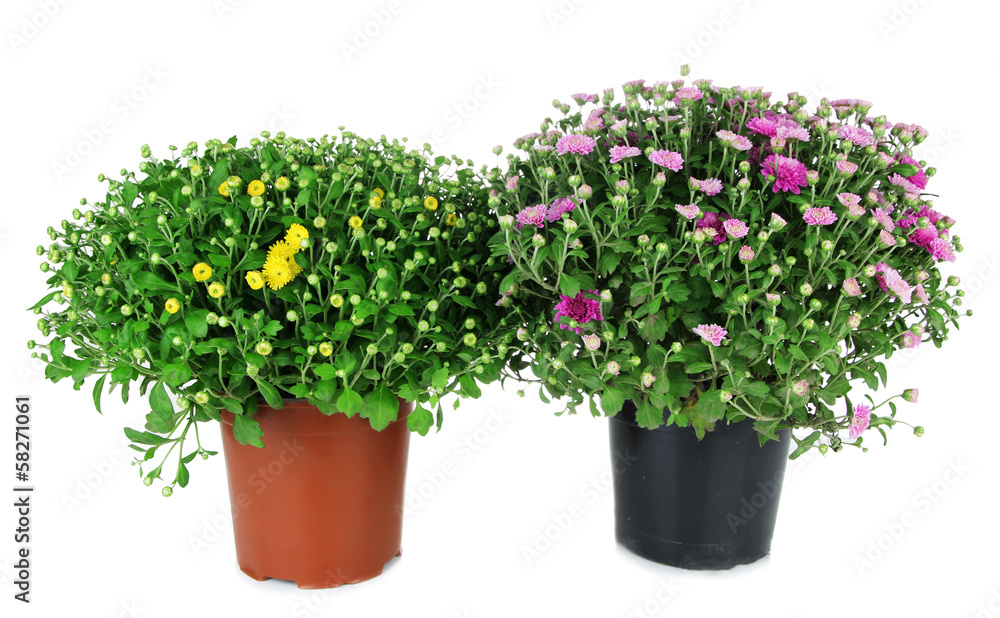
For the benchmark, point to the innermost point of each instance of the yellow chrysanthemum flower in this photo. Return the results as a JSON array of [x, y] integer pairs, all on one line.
[[255, 280], [276, 272], [375, 202], [430, 203], [451, 219], [355, 222], [295, 234], [201, 271], [326, 348], [256, 187], [172, 305], [293, 268], [224, 188], [380, 193], [281, 250], [216, 290]]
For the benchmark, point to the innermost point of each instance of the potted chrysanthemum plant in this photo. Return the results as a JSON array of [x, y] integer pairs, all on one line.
[[718, 269], [315, 297]]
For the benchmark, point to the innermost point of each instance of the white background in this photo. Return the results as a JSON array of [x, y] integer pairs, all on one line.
[[87, 85]]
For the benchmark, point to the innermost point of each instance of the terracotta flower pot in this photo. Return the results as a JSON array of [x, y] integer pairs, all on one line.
[[322, 503]]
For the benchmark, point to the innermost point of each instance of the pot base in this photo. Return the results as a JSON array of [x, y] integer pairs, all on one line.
[[690, 556], [333, 579]]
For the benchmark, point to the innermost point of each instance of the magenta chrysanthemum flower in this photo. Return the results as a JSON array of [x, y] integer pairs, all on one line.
[[746, 254], [919, 180], [532, 215], [793, 132], [665, 158], [763, 126], [577, 144], [910, 340], [884, 219], [711, 186], [579, 308], [735, 228], [860, 420], [892, 282], [689, 211], [711, 223], [852, 287], [688, 94], [558, 207], [886, 238], [623, 152], [847, 168], [819, 216], [789, 174], [856, 135], [942, 250], [711, 333]]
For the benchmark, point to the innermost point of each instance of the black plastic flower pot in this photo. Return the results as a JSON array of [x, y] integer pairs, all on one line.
[[707, 504]]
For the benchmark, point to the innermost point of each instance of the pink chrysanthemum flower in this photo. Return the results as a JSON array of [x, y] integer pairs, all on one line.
[[856, 135], [711, 333], [582, 98], [688, 94], [884, 219], [921, 293], [847, 168], [725, 135], [852, 287], [860, 420], [579, 308], [623, 152], [542, 148], [711, 186], [886, 238], [613, 367], [777, 222], [689, 211], [800, 388], [665, 158], [735, 228], [746, 254], [819, 216], [793, 132], [910, 340], [511, 183], [892, 282], [577, 144], [647, 379], [592, 342], [789, 174], [532, 215], [763, 126], [741, 143], [558, 207]]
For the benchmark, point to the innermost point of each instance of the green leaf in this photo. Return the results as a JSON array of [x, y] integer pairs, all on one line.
[[247, 431], [176, 374], [401, 309], [98, 389], [698, 367], [158, 422], [56, 348], [183, 476], [325, 372], [349, 402], [148, 281], [381, 408], [420, 420], [612, 400], [805, 444], [568, 285], [440, 378], [70, 270], [648, 415], [217, 259], [469, 386], [270, 393], [195, 322], [144, 437], [160, 401], [45, 300]]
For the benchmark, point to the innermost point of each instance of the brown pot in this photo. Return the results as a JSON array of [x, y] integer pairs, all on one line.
[[322, 503]]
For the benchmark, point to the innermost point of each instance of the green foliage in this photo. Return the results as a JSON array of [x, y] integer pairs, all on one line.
[[378, 283]]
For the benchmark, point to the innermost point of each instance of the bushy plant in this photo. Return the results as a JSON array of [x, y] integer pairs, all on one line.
[[712, 254], [344, 270]]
